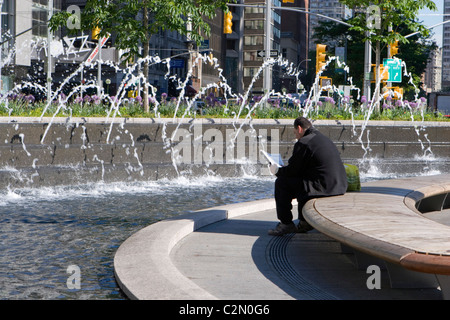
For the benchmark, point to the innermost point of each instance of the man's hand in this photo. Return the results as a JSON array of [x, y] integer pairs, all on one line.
[[273, 168]]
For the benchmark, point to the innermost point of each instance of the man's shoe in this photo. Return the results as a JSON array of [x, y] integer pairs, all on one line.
[[304, 227], [282, 229]]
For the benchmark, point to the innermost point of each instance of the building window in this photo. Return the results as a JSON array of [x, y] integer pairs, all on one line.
[[231, 45], [276, 17], [39, 22], [276, 32], [253, 10], [253, 40], [39, 16], [250, 71], [254, 24], [251, 56]]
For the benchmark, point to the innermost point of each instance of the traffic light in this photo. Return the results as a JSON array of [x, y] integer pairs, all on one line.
[[393, 48], [95, 33], [288, 1], [398, 93], [325, 82], [227, 22], [395, 92], [384, 72], [321, 56]]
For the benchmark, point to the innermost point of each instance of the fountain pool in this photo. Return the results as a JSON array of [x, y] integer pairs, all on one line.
[[47, 229]]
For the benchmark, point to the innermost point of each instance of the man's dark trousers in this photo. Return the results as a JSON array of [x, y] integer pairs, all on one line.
[[286, 189]]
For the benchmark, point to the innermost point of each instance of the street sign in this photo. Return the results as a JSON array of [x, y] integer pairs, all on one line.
[[94, 53], [394, 68], [273, 53]]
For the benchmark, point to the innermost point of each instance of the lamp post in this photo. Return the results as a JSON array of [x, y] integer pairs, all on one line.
[[1, 45], [108, 82], [296, 79], [367, 66], [267, 47], [49, 55], [99, 68]]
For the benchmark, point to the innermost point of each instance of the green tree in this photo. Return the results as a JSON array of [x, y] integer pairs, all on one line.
[[380, 21], [133, 22], [335, 34], [415, 53]]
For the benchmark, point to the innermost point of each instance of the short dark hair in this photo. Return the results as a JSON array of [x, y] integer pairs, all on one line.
[[303, 123]]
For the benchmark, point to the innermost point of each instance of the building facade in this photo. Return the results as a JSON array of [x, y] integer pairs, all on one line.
[[330, 8], [294, 42], [234, 50], [25, 50], [446, 48], [254, 40], [23, 30], [25, 55], [433, 73]]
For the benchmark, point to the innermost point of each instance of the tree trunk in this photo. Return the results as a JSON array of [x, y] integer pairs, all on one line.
[[146, 53]]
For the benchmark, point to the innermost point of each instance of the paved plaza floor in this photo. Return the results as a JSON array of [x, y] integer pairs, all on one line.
[[237, 259]]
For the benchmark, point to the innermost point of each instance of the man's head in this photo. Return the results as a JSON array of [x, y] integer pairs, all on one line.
[[301, 124]]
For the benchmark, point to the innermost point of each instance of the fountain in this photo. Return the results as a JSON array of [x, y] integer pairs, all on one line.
[[74, 188]]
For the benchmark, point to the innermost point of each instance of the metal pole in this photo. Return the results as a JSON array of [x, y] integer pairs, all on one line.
[[139, 72], [99, 69], [326, 17], [82, 78], [389, 84], [49, 56], [189, 44], [367, 66], [296, 80], [291, 9], [267, 75], [433, 26], [82, 84], [1, 51]]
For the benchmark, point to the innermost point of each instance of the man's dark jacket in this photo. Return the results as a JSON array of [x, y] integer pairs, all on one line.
[[317, 162]]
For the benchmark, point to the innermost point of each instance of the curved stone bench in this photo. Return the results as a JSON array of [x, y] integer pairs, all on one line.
[[142, 264], [384, 226]]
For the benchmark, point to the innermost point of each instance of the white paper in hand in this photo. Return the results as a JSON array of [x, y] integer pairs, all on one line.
[[273, 158]]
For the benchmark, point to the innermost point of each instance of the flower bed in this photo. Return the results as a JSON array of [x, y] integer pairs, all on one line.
[[274, 107]]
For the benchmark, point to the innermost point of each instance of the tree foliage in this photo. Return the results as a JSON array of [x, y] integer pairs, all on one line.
[[395, 14], [125, 19], [415, 53], [133, 22]]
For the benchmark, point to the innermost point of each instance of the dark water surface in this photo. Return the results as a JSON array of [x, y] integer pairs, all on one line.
[[43, 231], [46, 230]]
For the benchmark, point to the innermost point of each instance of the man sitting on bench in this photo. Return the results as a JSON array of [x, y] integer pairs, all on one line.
[[314, 170]]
